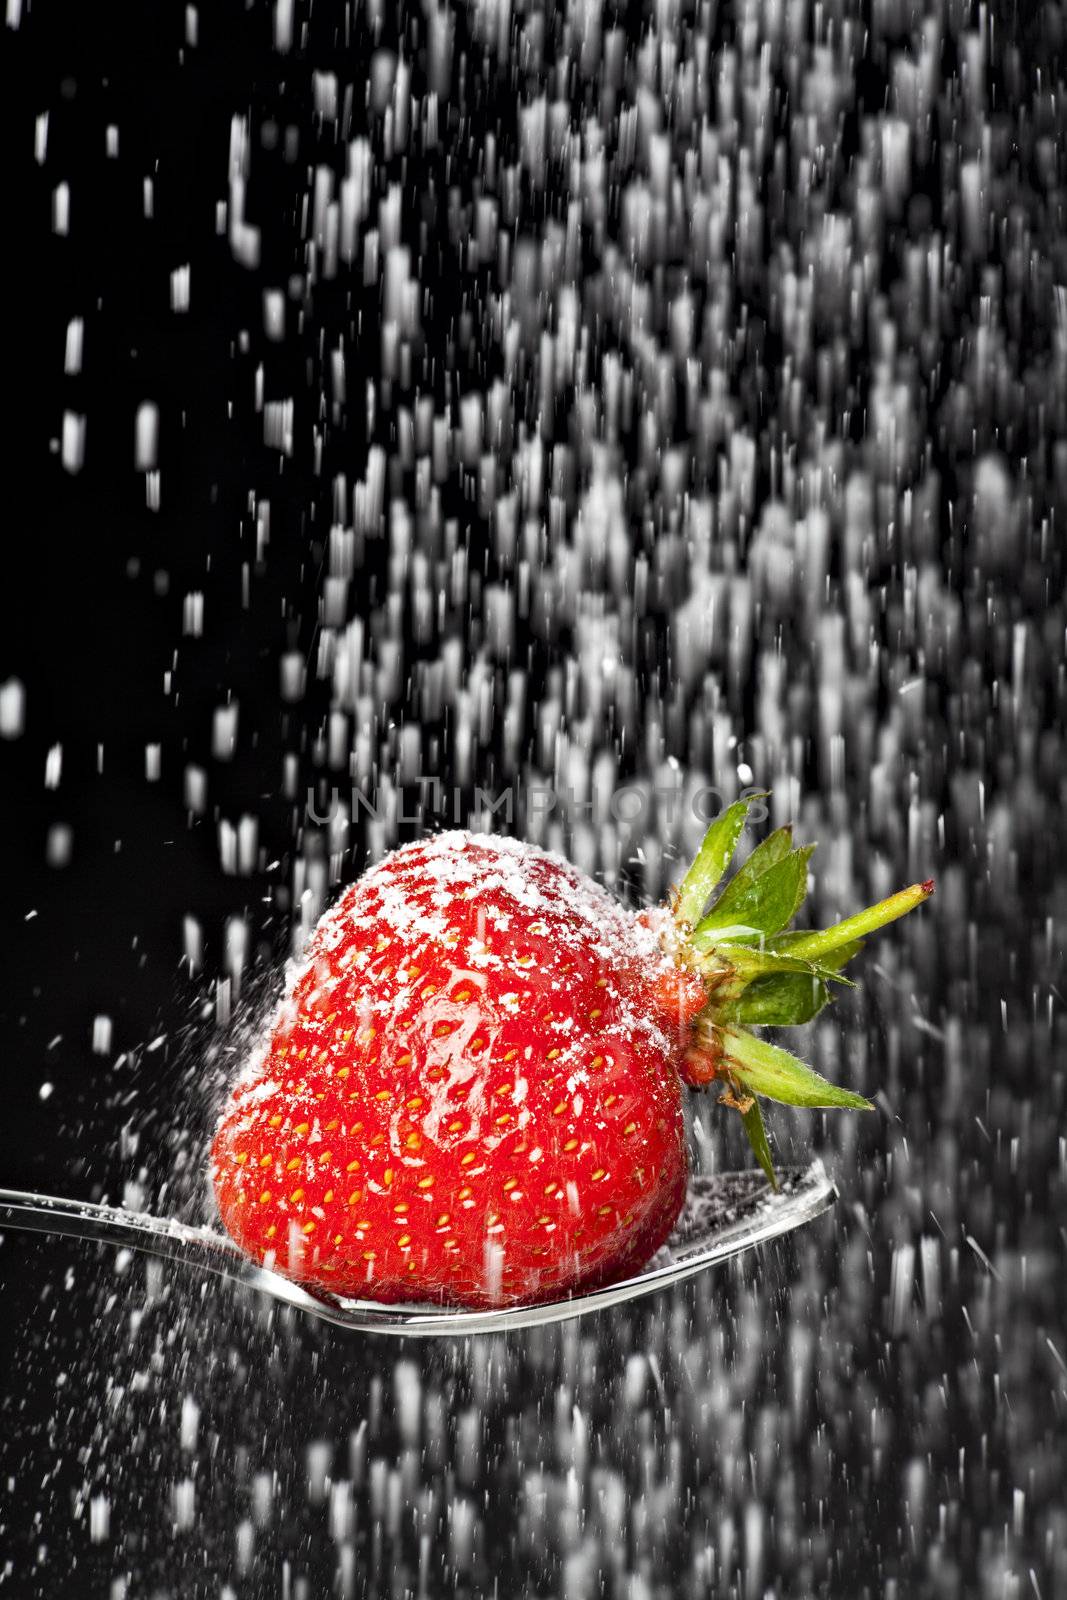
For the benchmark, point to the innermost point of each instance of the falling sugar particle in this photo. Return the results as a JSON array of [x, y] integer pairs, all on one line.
[[12, 709], [72, 447]]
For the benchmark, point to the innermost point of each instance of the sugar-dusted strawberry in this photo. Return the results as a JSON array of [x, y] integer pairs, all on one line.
[[472, 1090]]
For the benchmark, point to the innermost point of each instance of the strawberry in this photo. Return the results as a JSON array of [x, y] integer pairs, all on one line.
[[472, 1091]]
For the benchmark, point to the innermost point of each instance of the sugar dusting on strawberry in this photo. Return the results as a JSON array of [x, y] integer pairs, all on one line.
[[472, 1090]]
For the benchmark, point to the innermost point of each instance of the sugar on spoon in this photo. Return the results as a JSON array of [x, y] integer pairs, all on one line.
[[725, 1215]]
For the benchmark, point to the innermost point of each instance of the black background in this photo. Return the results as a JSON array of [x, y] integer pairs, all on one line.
[[93, 585]]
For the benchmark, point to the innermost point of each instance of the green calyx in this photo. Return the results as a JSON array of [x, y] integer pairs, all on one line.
[[760, 974]]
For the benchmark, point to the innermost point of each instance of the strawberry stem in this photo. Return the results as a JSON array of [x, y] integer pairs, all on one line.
[[756, 1133], [813, 946], [757, 975]]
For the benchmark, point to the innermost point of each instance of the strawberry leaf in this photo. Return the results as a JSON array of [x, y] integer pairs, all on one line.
[[753, 1124], [731, 933], [767, 1069], [751, 964], [767, 902], [780, 1000], [712, 859], [776, 845]]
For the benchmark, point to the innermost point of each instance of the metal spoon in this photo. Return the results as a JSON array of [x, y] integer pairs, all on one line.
[[724, 1215]]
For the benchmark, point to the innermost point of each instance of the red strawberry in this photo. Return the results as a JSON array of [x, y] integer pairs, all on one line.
[[472, 1091]]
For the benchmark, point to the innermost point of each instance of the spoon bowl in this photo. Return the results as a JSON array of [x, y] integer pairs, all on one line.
[[725, 1214]]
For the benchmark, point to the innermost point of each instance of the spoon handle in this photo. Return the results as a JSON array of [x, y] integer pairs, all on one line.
[[164, 1237], [130, 1230]]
